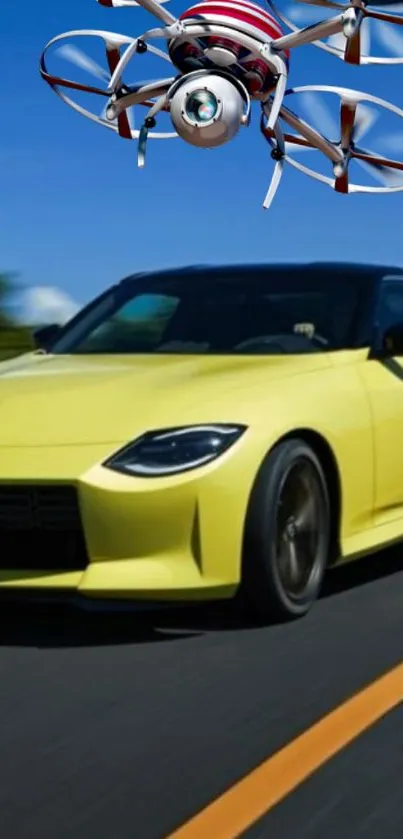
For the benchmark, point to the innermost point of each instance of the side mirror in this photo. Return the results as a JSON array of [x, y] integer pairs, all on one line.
[[45, 335], [392, 340]]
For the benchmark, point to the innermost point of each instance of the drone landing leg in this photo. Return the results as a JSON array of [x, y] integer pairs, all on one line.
[[278, 153], [148, 123]]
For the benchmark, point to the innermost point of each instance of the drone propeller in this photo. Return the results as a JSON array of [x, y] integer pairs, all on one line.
[[321, 115], [120, 95], [355, 44], [365, 118], [394, 142], [383, 170], [391, 38], [352, 127], [121, 98], [352, 48], [355, 49], [358, 42], [355, 120], [77, 57], [74, 55]]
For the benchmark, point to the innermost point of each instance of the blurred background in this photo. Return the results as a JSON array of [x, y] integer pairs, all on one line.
[[24, 309]]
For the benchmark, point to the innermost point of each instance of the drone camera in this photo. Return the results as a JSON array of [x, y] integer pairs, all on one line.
[[207, 111]]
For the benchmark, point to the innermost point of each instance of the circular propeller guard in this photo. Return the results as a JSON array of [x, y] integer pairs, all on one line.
[[350, 49], [349, 100], [119, 50]]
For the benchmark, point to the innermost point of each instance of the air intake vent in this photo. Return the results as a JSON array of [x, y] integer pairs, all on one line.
[[40, 528]]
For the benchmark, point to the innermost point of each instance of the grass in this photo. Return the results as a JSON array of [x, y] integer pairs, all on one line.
[[15, 341]]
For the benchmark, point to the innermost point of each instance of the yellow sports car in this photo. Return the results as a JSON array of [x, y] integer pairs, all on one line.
[[197, 431]]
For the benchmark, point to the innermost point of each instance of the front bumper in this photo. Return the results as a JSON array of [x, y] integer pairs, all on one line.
[[176, 538]]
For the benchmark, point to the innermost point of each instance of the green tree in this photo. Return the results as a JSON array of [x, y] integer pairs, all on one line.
[[6, 289], [14, 338]]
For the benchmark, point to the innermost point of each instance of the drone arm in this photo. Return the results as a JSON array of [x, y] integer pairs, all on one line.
[[134, 47], [117, 67], [313, 137], [138, 97], [323, 29], [289, 139]]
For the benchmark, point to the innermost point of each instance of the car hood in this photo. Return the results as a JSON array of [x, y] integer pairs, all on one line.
[[75, 400]]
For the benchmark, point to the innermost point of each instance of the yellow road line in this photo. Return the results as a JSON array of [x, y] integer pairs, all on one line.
[[249, 799]]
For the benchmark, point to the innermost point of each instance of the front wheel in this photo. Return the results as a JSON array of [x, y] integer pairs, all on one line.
[[287, 533]]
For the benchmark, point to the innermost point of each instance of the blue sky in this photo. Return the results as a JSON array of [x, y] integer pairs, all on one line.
[[77, 213]]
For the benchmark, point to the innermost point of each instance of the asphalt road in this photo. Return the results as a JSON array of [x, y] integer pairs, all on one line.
[[121, 727]]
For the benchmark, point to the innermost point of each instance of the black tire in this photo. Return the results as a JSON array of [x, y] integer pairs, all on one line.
[[285, 558]]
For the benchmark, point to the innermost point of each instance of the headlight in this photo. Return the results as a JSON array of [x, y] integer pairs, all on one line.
[[173, 450]]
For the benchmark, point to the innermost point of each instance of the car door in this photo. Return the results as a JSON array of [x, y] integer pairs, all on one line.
[[384, 383]]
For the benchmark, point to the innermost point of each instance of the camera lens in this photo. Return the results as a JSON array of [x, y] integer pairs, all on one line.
[[201, 106]]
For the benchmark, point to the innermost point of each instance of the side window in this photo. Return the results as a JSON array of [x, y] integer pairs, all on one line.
[[139, 324], [147, 316], [391, 305]]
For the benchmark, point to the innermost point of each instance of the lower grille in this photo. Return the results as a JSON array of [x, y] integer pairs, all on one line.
[[40, 528]]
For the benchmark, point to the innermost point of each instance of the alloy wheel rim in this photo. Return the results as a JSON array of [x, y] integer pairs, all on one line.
[[298, 529]]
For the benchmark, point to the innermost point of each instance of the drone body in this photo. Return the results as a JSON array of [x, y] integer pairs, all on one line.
[[225, 52], [210, 116], [226, 55]]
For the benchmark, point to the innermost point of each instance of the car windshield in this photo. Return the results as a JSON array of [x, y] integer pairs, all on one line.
[[257, 312]]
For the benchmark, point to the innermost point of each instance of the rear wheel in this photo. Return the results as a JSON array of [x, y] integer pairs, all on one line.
[[287, 533]]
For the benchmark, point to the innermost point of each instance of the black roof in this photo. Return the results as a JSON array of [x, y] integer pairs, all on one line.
[[359, 269]]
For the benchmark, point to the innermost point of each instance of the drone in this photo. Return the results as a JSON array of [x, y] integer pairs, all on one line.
[[226, 55]]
